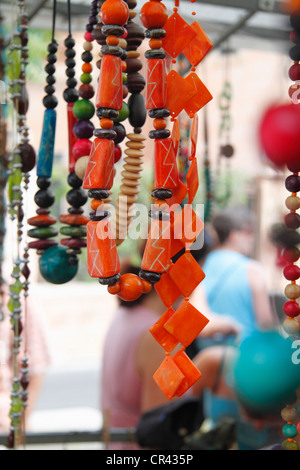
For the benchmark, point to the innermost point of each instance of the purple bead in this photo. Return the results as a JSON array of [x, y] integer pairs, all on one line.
[[92, 20], [83, 129], [89, 28], [292, 183]]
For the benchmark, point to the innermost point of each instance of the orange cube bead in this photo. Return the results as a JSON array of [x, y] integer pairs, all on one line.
[[197, 49], [166, 171], [110, 86], [176, 100], [167, 289], [156, 89], [161, 335], [168, 377], [178, 35], [102, 256], [156, 256], [189, 370], [100, 168], [186, 274], [186, 323]]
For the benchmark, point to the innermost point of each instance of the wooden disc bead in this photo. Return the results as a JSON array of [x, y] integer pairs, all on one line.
[[134, 145], [133, 153], [129, 175]]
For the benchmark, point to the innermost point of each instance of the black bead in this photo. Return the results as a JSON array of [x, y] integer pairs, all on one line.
[[109, 281], [74, 181], [112, 29], [155, 54], [70, 73], [70, 63], [43, 183], [86, 56], [71, 82], [112, 50], [158, 215], [98, 194], [70, 53], [76, 197], [50, 101], [159, 134], [73, 260], [75, 210], [295, 21], [156, 33], [69, 42], [98, 215], [108, 113], [161, 194], [123, 56], [135, 82], [50, 79], [137, 130], [149, 276], [137, 110], [70, 95], [49, 89], [159, 113], [52, 47], [51, 58], [50, 69], [292, 183], [44, 198], [295, 53], [109, 134], [120, 131], [227, 150]]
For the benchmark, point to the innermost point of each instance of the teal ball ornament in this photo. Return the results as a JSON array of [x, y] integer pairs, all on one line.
[[264, 373], [57, 265]]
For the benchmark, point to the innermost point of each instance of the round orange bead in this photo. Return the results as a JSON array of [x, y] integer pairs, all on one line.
[[124, 66], [86, 67], [114, 12], [114, 289], [106, 123], [131, 287], [159, 124], [153, 15], [147, 286], [95, 203], [112, 41], [155, 43]]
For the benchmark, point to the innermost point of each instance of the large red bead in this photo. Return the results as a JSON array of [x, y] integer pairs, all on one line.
[[291, 309], [110, 86], [153, 15], [156, 90], [114, 12], [166, 171], [81, 148], [291, 272], [100, 168]]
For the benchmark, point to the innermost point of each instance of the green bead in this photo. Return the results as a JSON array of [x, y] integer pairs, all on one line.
[[13, 304], [16, 405], [86, 78], [55, 266], [123, 113], [76, 232], [124, 77], [14, 182], [290, 445], [14, 68], [83, 109], [43, 232], [289, 430], [16, 287]]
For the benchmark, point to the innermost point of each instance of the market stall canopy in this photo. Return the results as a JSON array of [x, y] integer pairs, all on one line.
[[248, 23]]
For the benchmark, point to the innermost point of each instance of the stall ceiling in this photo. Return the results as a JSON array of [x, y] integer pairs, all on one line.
[[245, 23]]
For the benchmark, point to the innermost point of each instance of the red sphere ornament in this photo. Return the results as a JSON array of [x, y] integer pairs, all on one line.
[[153, 15], [291, 272], [82, 148], [117, 154], [131, 287], [279, 134], [291, 309], [114, 12]]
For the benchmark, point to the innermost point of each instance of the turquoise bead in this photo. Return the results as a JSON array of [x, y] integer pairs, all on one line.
[[289, 430], [83, 109], [55, 266], [46, 150]]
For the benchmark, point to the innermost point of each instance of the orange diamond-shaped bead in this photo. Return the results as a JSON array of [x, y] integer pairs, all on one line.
[[200, 97], [189, 370], [186, 323], [178, 35], [167, 289], [187, 274], [194, 136], [197, 49], [168, 377], [187, 226], [165, 339], [192, 180], [178, 194], [179, 92]]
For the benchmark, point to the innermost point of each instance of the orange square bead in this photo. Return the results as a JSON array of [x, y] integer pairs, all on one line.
[[165, 339], [167, 289], [197, 49], [189, 370], [178, 35], [187, 274], [187, 226], [178, 194], [168, 377], [186, 323], [192, 180], [201, 95], [179, 92]]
